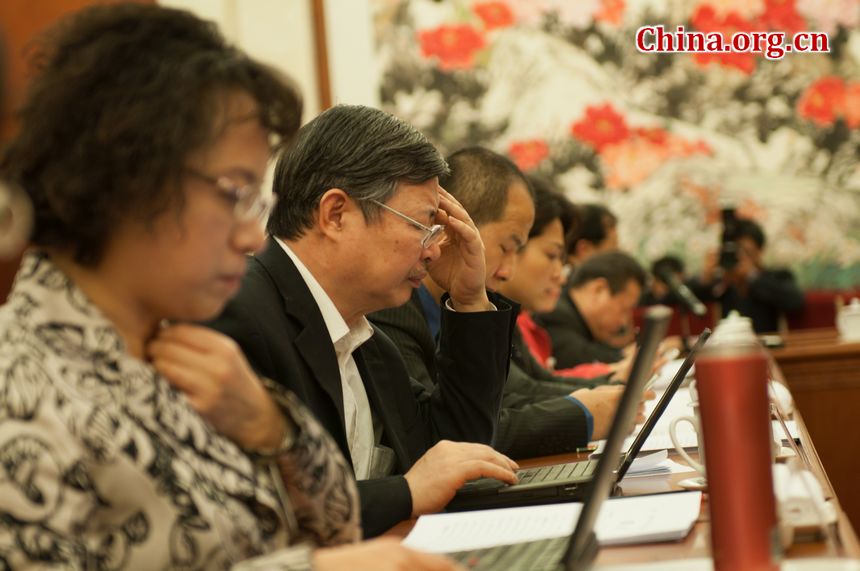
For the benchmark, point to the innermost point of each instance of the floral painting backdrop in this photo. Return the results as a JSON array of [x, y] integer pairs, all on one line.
[[663, 139]]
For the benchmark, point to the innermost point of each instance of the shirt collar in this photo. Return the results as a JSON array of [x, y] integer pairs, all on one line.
[[342, 336]]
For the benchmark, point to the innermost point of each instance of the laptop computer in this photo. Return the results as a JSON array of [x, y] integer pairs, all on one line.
[[578, 551], [661, 406], [565, 482]]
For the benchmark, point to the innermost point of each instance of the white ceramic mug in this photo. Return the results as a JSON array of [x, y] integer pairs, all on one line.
[[848, 321], [676, 441]]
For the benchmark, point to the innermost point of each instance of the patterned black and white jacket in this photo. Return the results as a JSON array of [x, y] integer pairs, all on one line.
[[103, 465]]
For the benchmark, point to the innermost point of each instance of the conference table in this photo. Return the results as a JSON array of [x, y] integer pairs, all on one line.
[[842, 543], [823, 374]]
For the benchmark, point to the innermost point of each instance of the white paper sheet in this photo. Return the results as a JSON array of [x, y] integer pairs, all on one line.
[[622, 521]]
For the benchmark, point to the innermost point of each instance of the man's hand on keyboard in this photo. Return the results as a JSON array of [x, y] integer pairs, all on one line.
[[443, 469], [602, 403]]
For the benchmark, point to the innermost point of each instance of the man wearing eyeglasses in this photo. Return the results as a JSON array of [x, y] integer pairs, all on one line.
[[541, 414], [360, 222]]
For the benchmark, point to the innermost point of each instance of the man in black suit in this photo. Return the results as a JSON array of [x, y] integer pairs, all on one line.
[[603, 292], [541, 414], [360, 221]]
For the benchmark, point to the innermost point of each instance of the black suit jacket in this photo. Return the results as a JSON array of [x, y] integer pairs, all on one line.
[[535, 419], [572, 340], [276, 321]]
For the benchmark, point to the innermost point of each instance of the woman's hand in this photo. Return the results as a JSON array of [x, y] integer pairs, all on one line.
[[383, 554], [219, 384]]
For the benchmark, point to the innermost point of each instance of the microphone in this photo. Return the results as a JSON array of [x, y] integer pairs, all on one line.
[[682, 293]]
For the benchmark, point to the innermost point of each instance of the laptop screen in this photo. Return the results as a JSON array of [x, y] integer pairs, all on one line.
[[662, 404], [583, 544]]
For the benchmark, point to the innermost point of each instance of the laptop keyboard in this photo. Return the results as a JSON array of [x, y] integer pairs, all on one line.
[[541, 555], [581, 469], [556, 472]]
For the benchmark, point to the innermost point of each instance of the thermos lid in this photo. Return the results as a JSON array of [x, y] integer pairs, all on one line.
[[734, 329]]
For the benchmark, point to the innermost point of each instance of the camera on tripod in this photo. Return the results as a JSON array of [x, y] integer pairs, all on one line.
[[729, 245]]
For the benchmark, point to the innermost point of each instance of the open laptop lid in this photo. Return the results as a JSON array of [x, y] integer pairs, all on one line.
[[582, 548], [662, 404]]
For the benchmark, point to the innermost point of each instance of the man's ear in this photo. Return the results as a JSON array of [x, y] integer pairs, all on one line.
[[332, 212]]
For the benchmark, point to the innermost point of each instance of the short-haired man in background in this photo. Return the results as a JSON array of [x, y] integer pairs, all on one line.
[[603, 292]]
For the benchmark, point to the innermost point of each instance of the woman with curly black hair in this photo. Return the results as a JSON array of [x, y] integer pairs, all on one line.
[[129, 437]]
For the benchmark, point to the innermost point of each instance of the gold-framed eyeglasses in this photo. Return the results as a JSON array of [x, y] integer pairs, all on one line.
[[432, 234], [249, 203]]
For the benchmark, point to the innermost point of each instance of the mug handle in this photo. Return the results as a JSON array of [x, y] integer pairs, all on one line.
[[680, 449]]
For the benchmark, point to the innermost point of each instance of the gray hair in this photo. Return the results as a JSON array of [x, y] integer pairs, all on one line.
[[363, 151]]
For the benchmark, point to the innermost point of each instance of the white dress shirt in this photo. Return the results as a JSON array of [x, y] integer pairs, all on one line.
[[356, 407]]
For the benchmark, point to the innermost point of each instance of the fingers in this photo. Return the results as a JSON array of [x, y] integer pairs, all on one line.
[[382, 554], [200, 338], [178, 355], [449, 199], [477, 461], [452, 208], [658, 364], [432, 562], [483, 452], [468, 235], [640, 413], [176, 352], [483, 469], [649, 395], [184, 378]]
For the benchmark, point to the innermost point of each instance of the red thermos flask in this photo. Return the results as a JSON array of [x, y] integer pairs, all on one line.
[[731, 380]]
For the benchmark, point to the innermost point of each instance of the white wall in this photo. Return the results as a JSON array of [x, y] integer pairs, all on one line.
[[280, 32], [352, 64]]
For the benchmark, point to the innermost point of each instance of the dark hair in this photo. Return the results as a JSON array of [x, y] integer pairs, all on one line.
[[123, 94], [363, 151], [480, 179], [668, 263], [595, 223], [551, 205], [746, 228], [617, 268]]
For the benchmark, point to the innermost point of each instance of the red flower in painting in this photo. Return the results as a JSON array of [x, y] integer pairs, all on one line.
[[630, 162], [705, 19], [601, 126], [823, 101], [852, 105], [611, 12], [494, 14], [782, 15], [454, 46], [528, 154], [654, 135]]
